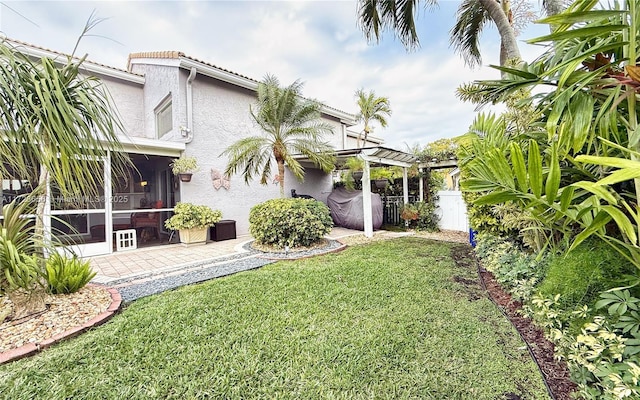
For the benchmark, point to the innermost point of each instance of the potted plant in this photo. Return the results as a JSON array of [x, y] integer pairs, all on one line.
[[184, 167], [192, 221], [355, 166], [381, 177], [409, 212]]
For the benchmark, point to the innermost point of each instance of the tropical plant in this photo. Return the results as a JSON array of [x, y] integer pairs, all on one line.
[[473, 15], [21, 263], [381, 173], [289, 222], [584, 179], [66, 275], [409, 212], [184, 165], [17, 242], [371, 108], [354, 163], [291, 126], [188, 216], [59, 119]]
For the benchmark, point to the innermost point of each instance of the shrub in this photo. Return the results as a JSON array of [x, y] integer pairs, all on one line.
[[516, 270], [20, 268], [289, 222], [582, 274], [67, 275], [189, 216]]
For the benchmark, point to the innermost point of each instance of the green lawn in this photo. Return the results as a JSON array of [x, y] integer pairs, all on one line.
[[380, 321]]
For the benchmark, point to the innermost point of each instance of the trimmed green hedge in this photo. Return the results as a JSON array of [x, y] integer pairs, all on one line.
[[289, 222]]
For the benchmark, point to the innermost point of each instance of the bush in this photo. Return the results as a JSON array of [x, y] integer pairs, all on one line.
[[20, 267], [188, 216], [289, 222], [67, 275], [516, 270], [581, 275]]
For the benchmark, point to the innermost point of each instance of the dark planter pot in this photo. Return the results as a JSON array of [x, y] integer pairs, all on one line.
[[185, 177], [381, 183], [357, 175]]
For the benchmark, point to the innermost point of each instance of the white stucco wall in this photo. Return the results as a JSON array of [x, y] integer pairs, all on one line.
[[160, 81], [128, 101], [221, 117]]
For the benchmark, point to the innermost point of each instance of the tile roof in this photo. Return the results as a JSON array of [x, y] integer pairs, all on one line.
[[176, 55], [170, 54], [18, 43]]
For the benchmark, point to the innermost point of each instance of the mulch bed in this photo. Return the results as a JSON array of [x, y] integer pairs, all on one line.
[[555, 373]]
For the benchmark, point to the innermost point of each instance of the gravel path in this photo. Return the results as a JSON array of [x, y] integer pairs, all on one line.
[[168, 280], [154, 285]]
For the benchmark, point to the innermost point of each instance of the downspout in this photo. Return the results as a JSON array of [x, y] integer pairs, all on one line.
[[344, 136], [189, 88]]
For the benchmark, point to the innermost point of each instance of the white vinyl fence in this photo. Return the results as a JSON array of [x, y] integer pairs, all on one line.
[[452, 211]]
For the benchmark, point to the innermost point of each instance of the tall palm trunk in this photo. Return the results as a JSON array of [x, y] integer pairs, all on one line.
[[281, 176], [507, 34]]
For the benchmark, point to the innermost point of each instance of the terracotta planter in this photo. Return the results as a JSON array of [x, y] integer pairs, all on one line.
[[185, 177], [193, 236]]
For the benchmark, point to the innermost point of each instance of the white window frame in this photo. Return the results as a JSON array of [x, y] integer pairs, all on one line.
[[164, 122]]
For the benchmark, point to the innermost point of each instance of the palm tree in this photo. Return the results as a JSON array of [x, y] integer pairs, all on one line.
[[473, 15], [58, 125], [291, 126], [372, 108]]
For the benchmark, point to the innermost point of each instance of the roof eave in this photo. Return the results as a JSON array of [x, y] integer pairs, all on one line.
[[87, 66], [247, 83]]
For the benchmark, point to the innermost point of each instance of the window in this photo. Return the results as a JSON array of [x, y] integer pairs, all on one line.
[[164, 116]]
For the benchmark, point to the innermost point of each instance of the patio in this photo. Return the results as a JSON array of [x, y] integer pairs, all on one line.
[[126, 266]]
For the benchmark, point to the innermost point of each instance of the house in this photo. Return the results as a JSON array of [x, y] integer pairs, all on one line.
[[452, 179], [172, 104]]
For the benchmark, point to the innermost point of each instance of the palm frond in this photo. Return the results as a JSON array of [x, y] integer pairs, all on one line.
[[471, 18]]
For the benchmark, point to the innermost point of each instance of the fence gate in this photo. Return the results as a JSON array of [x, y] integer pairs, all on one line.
[[391, 207], [452, 211]]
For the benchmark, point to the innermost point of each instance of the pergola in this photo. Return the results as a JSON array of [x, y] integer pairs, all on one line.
[[377, 156]]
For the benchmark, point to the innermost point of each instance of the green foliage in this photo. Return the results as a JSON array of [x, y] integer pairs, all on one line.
[[381, 173], [440, 150], [582, 274], [291, 126], [516, 270], [188, 215], [371, 108], [579, 177], [605, 357], [20, 266], [67, 275], [289, 222], [420, 215], [365, 323], [50, 114], [184, 165], [485, 218]]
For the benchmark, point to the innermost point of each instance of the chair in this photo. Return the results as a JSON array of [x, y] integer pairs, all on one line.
[[141, 221]]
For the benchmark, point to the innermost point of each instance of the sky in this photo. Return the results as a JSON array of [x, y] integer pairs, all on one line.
[[316, 42]]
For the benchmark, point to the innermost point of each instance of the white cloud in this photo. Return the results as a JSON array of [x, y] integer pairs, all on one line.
[[317, 42]]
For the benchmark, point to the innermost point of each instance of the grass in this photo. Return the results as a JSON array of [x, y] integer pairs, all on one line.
[[380, 321]]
